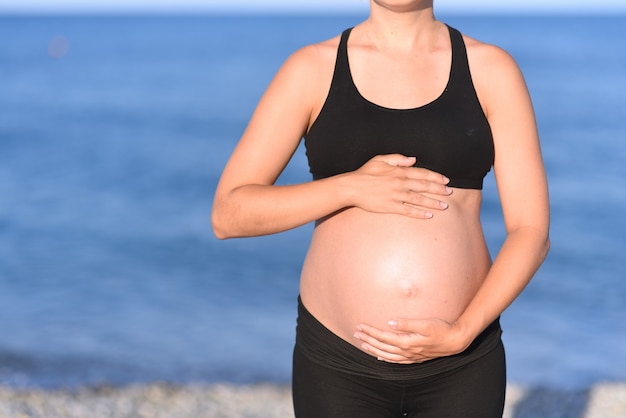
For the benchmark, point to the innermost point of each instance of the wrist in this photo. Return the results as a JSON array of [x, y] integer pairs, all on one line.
[[344, 190], [467, 331]]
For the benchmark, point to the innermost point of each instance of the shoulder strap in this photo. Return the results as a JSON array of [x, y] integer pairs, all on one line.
[[343, 42], [460, 65], [341, 73], [342, 53]]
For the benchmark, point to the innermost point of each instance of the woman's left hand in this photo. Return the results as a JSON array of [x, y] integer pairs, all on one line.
[[413, 340]]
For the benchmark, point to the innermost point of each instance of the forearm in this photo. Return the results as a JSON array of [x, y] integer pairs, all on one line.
[[519, 258], [254, 210]]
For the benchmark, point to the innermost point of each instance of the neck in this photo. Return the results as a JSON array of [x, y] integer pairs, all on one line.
[[403, 27]]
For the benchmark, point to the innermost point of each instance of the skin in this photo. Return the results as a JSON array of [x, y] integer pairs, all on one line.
[[398, 264]]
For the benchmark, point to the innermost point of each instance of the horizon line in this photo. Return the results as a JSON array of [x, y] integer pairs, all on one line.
[[191, 7], [313, 12]]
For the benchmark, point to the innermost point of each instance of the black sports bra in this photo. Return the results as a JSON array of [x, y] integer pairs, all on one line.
[[449, 135]]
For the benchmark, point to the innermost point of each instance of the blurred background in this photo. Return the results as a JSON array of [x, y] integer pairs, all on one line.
[[117, 118]]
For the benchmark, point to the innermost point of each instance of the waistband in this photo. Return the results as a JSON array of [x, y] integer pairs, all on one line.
[[322, 346]]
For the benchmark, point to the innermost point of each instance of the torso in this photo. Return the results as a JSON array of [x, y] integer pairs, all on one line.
[[368, 268]]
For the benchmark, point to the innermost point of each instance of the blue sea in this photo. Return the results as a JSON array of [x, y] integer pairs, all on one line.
[[113, 134]]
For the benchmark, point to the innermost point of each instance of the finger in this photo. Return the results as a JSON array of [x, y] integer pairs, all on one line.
[[390, 342], [383, 350], [412, 211], [408, 358], [422, 201], [366, 331], [414, 326], [426, 174], [422, 185], [398, 160], [385, 356]]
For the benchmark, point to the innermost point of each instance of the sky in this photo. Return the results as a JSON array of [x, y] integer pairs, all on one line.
[[330, 6]]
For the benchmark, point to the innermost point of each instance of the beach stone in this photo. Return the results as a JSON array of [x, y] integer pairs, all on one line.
[[607, 400], [514, 394], [162, 400]]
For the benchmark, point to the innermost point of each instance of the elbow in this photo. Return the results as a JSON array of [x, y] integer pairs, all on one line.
[[220, 233], [228, 220], [220, 228], [537, 240], [546, 247], [542, 244]]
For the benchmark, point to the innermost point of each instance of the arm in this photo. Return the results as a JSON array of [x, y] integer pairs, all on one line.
[[523, 190], [247, 203], [244, 204]]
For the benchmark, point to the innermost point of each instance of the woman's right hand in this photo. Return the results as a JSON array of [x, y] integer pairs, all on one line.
[[390, 184]]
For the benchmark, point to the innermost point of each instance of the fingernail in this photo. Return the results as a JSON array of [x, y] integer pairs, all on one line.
[[393, 323], [443, 205], [428, 215], [357, 336], [448, 190], [446, 180]]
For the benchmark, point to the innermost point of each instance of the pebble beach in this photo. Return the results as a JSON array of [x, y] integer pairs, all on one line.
[[606, 400]]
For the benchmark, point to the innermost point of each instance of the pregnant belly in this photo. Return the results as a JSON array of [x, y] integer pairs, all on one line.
[[369, 268]]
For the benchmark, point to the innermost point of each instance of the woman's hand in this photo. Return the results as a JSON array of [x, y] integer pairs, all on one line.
[[413, 340], [390, 184]]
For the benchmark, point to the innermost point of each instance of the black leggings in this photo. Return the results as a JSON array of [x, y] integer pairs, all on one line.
[[332, 379]]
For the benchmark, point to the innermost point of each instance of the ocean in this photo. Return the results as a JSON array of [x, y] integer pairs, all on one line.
[[113, 134]]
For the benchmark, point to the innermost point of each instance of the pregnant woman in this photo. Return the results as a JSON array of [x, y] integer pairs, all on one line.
[[402, 116]]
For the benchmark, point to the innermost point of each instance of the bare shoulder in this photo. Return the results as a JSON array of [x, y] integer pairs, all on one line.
[[309, 72], [302, 80], [495, 72], [485, 57], [327, 50], [313, 60]]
